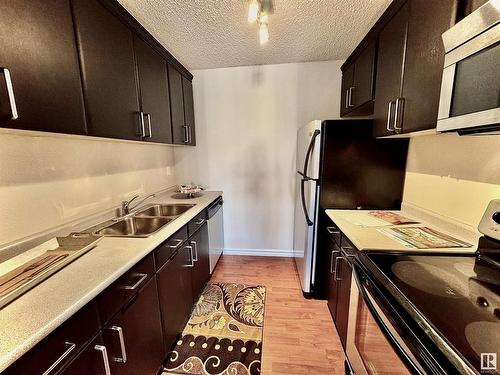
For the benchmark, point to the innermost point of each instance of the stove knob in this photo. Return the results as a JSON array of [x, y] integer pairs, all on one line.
[[496, 217], [483, 302]]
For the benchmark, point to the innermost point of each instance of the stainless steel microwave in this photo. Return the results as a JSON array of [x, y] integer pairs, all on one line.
[[470, 88]]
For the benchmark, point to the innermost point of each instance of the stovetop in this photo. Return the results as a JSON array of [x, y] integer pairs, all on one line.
[[458, 295]]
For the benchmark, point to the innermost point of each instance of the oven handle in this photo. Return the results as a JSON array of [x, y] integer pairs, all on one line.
[[396, 342]]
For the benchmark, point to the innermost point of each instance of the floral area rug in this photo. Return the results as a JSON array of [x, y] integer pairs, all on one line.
[[223, 335]]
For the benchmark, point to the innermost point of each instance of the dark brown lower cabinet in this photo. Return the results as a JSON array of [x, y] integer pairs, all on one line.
[[176, 296], [201, 269], [134, 336], [93, 359], [332, 287]]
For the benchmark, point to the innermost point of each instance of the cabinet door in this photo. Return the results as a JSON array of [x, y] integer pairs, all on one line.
[[201, 270], [134, 336], [155, 101], [344, 291], [179, 130], [347, 82], [332, 288], [424, 62], [94, 359], [108, 71], [41, 56], [364, 71], [175, 291], [390, 65], [187, 90]]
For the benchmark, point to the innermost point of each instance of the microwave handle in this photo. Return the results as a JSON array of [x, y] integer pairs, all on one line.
[[392, 337]]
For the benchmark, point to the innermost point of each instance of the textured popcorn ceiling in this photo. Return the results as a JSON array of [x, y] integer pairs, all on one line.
[[215, 33]]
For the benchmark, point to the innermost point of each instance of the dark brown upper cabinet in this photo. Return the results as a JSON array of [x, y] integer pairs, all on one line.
[[358, 84], [180, 132], [410, 65], [37, 47], [187, 90], [106, 51], [155, 100]]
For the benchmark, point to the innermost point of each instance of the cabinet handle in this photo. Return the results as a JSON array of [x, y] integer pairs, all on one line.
[[331, 260], [142, 277], [186, 134], [123, 359], [176, 245], [105, 359], [191, 259], [71, 346], [148, 116], [389, 110], [199, 221], [349, 100], [337, 278], [396, 114], [10, 93], [195, 248], [141, 125], [332, 230], [190, 128]]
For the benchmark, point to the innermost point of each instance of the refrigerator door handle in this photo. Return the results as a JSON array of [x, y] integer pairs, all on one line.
[[303, 198], [309, 151]]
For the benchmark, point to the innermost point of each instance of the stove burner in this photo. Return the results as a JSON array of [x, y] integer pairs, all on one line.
[[483, 337]]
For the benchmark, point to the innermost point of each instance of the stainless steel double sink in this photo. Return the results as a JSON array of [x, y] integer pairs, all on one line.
[[143, 223]]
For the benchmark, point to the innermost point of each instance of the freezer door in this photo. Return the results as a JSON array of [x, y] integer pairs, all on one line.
[[308, 149], [304, 230]]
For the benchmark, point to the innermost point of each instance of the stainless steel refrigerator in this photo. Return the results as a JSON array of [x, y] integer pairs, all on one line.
[[340, 165]]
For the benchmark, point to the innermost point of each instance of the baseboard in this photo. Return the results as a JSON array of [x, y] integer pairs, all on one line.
[[260, 252]]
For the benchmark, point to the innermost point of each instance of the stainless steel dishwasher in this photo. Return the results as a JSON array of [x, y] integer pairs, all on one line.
[[215, 232]]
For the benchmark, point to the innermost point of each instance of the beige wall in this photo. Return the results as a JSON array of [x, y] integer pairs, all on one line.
[[47, 180], [246, 124], [453, 177]]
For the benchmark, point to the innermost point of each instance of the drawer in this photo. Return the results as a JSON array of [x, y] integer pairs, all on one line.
[[167, 248], [197, 222], [61, 346], [334, 233], [122, 290]]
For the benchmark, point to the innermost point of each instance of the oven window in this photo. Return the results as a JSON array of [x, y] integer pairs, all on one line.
[[376, 352], [477, 82]]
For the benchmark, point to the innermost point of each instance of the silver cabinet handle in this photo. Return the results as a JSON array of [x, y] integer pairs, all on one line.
[[148, 116], [141, 125], [332, 230], [389, 110], [123, 359], [337, 278], [349, 97], [199, 221], [70, 347], [142, 277], [331, 260], [191, 259], [105, 359], [186, 134], [10, 93], [176, 245], [195, 248], [190, 132], [396, 115]]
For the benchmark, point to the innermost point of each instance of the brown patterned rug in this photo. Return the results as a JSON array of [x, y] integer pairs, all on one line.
[[223, 335]]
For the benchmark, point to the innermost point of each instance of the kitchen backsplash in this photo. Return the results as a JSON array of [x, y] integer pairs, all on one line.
[[47, 180]]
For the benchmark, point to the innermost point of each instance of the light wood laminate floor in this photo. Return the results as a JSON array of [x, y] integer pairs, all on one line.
[[299, 334]]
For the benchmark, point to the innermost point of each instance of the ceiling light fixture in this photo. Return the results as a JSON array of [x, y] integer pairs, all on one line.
[[259, 11]]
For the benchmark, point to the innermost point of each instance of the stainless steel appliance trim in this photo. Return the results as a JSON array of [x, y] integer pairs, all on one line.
[[71, 346], [446, 92], [398, 115], [475, 23], [488, 117], [389, 110], [142, 277], [191, 258], [10, 93], [105, 359], [119, 330], [195, 249], [473, 46], [148, 116]]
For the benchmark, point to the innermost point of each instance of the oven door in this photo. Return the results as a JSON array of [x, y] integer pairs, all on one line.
[[374, 345]]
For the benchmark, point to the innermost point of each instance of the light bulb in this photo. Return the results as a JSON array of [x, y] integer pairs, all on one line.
[[253, 11], [263, 33]]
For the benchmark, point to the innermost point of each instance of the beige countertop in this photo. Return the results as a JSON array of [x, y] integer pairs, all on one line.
[[370, 238], [31, 317]]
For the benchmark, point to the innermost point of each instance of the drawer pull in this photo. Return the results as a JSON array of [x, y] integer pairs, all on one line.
[[123, 359], [176, 245], [331, 260], [332, 230], [105, 359], [191, 259], [142, 277], [199, 221], [195, 248], [71, 346], [336, 267]]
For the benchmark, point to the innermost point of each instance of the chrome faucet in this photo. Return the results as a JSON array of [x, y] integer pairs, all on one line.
[[126, 204]]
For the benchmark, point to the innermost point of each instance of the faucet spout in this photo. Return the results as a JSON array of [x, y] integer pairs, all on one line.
[[126, 208]]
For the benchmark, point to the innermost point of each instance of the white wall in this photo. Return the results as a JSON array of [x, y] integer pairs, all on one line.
[[453, 177], [47, 180], [246, 124]]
